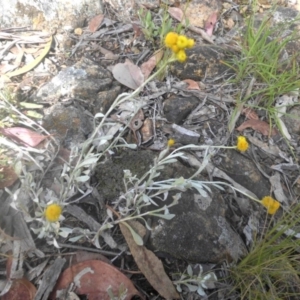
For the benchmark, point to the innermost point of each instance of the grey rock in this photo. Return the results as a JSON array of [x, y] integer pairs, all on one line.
[[177, 108], [242, 170], [105, 99], [199, 232], [82, 81], [43, 14], [70, 124]]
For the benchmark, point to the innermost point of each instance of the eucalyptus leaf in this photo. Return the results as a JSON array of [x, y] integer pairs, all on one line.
[[31, 105], [33, 114]]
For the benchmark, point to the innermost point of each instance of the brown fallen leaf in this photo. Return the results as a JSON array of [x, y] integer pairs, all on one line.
[[128, 74], [108, 54], [258, 125], [137, 30], [23, 135], [250, 113], [148, 263], [147, 131], [148, 66], [176, 13], [192, 85], [8, 176], [95, 22], [20, 289], [137, 121], [210, 23], [93, 278]]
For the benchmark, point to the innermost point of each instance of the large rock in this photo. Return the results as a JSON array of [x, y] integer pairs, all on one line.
[[47, 15], [70, 125], [81, 81], [199, 232]]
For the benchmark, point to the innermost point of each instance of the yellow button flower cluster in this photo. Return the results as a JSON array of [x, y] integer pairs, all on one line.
[[178, 43], [270, 204]]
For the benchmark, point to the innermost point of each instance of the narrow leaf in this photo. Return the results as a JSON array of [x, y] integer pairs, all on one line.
[[34, 63], [149, 264]]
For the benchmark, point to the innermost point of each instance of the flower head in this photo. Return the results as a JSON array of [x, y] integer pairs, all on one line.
[[181, 56], [242, 144], [53, 212], [171, 39], [182, 42], [175, 48], [271, 204], [178, 43], [190, 43], [171, 142]]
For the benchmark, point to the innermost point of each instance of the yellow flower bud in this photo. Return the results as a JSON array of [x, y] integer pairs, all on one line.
[[175, 48], [171, 39], [182, 42], [181, 56], [53, 212], [242, 144], [171, 142], [190, 43]]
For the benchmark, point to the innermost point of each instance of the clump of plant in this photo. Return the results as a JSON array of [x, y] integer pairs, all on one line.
[[155, 29], [264, 66], [75, 174], [196, 283], [271, 269]]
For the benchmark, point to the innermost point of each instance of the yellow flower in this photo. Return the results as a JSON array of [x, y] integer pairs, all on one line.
[[53, 212], [171, 39], [182, 42], [242, 144], [175, 48], [191, 43], [171, 142], [271, 204], [181, 56]]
